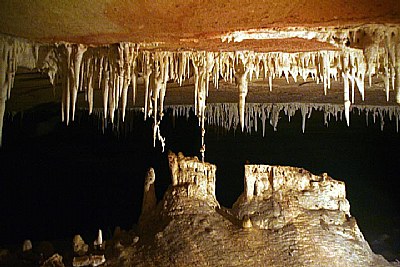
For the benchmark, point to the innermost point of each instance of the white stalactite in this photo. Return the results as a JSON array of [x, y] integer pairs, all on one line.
[[201, 75], [226, 115], [114, 68], [76, 74], [397, 71], [106, 87], [242, 84], [147, 71], [346, 90], [4, 51]]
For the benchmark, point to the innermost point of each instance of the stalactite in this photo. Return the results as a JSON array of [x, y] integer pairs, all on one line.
[[76, 74], [106, 85], [115, 68], [226, 115], [4, 51], [89, 77], [241, 82], [147, 71], [201, 76], [14, 52]]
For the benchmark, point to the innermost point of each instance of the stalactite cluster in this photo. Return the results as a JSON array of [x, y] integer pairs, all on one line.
[[259, 115], [115, 69], [227, 115], [14, 52]]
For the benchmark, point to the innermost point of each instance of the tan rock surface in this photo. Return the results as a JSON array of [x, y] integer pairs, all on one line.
[[308, 217], [111, 21]]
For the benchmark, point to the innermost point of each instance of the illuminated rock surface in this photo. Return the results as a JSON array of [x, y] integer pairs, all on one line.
[[358, 53], [234, 64], [286, 217]]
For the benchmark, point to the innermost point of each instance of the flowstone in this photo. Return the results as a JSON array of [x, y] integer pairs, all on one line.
[[285, 217]]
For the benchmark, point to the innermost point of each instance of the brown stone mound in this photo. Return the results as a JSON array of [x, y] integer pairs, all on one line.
[[286, 217]]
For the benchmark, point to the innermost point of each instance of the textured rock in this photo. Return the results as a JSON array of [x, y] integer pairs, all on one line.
[[149, 194], [27, 246], [79, 245], [275, 196], [286, 217], [194, 177], [356, 53], [95, 260], [54, 261], [99, 243]]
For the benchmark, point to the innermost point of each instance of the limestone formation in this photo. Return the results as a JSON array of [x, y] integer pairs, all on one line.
[[27, 246], [149, 194], [79, 245], [99, 243], [286, 216], [247, 222], [93, 260], [359, 52], [54, 261], [275, 196], [226, 115], [196, 176]]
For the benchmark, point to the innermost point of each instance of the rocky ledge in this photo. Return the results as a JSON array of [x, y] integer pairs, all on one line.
[[285, 217]]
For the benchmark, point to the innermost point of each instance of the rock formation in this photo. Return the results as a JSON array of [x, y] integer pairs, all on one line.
[[149, 194], [91, 260], [193, 176], [84, 257], [99, 243], [27, 246], [80, 248], [274, 196], [357, 53], [286, 216], [54, 261]]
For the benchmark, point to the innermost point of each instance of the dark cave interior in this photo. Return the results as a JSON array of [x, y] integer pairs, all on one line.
[[78, 178]]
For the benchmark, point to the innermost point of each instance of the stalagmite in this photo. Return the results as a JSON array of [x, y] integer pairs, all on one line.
[[247, 222], [98, 243], [149, 196], [79, 246], [27, 246]]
